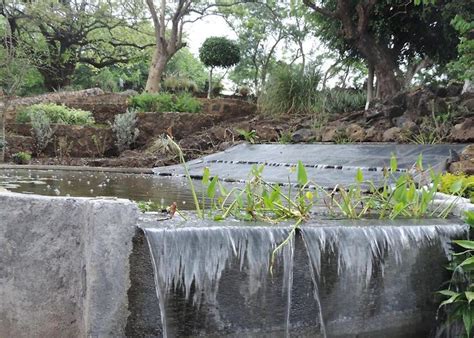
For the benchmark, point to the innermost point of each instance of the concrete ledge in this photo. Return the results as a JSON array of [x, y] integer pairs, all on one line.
[[64, 265], [78, 168]]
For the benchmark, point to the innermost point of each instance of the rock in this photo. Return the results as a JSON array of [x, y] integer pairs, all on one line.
[[355, 132], [454, 89], [373, 135], [329, 133], [468, 104], [393, 111], [391, 135], [465, 163], [303, 135], [464, 131], [468, 87], [267, 133]]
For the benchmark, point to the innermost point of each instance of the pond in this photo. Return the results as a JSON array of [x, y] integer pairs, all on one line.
[[138, 187]]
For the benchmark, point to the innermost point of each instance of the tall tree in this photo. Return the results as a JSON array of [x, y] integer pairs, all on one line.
[[395, 38], [64, 33]]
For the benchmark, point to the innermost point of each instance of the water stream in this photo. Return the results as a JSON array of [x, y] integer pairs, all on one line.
[[329, 280]]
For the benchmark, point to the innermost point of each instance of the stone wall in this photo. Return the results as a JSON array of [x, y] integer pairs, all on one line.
[[104, 106], [64, 266]]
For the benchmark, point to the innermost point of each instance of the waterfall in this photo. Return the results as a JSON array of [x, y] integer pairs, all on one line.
[[328, 280]]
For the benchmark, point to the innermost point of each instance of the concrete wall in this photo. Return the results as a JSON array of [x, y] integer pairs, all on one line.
[[64, 265]]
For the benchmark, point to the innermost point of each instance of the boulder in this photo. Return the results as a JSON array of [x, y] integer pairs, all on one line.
[[355, 132], [303, 135], [392, 135], [329, 133], [373, 135], [464, 131]]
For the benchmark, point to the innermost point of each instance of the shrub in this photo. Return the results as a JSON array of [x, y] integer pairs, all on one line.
[[41, 130], [165, 102], [187, 103], [289, 91], [336, 101], [125, 130], [21, 157], [176, 84], [56, 114], [457, 183]]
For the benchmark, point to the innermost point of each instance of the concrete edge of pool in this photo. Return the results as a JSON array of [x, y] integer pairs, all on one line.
[[65, 265]]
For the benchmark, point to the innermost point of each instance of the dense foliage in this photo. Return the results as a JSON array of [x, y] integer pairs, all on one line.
[[55, 114], [165, 102]]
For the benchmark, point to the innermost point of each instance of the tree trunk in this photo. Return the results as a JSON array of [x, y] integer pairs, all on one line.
[[370, 86], [157, 68], [209, 89], [3, 111], [384, 65]]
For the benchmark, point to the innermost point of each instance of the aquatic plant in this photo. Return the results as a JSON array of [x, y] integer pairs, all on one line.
[[410, 196], [460, 291]]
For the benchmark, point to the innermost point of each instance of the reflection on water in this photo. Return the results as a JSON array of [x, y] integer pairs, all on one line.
[[163, 190]]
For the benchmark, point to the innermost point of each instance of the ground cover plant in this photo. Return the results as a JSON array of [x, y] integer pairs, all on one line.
[[165, 102], [56, 114], [463, 184]]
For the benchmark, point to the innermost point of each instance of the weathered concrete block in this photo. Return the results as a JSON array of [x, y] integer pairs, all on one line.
[[64, 265]]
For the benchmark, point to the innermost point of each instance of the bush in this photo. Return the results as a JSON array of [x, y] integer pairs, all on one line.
[[289, 91], [176, 84], [187, 103], [41, 130], [125, 130], [21, 157], [56, 114], [336, 101], [459, 183], [165, 102]]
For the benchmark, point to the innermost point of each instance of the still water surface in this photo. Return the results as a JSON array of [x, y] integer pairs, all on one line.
[[138, 187]]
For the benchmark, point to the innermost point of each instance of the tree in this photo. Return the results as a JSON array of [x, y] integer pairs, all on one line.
[[396, 38], [65, 33], [261, 28], [218, 52], [14, 64]]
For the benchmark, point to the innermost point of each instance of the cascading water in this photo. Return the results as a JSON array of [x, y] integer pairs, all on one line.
[[331, 280]]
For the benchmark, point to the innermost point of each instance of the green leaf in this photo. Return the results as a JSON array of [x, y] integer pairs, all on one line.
[[465, 244], [448, 293], [205, 176], [469, 296], [467, 320], [359, 176], [451, 300], [302, 176], [211, 189], [393, 163], [456, 186], [469, 261], [419, 162]]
